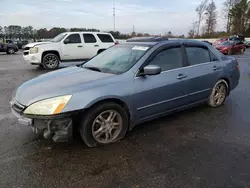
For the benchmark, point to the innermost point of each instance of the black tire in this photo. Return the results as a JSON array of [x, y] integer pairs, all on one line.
[[53, 65], [211, 99], [89, 117], [11, 51]]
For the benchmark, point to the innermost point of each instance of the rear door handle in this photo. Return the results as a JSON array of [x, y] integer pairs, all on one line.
[[96, 45], [181, 76], [216, 68], [79, 46]]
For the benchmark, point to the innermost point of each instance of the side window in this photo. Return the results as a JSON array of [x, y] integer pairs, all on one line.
[[74, 39], [105, 38], [197, 55], [89, 38], [168, 59], [213, 57]]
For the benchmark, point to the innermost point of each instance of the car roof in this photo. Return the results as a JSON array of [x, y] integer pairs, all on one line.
[[164, 42], [93, 32]]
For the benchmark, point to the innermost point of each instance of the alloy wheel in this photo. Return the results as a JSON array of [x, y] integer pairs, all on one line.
[[219, 94], [50, 61], [11, 51], [107, 126]]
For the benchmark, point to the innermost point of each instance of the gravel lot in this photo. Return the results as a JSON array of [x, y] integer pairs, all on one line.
[[200, 147]]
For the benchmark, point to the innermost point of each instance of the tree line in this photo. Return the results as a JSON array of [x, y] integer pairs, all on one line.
[[20, 33], [236, 14]]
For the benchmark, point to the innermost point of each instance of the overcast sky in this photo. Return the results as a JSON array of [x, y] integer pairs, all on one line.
[[152, 16]]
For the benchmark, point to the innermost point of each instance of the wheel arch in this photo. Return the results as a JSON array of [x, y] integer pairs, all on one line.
[[53, 52], [110, 99], [228, 83], [100, 101]]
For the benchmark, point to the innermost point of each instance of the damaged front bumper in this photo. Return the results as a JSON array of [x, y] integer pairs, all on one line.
[[57, 127]]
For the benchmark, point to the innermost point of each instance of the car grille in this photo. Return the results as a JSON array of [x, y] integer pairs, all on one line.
[[25, 53], [26, 48], [17, 107]]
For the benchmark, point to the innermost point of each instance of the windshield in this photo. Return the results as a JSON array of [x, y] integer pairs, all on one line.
[[117, 59], [226, 44], [59, 37]]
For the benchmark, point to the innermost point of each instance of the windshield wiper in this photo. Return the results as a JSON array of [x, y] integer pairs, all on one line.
[[92, 68]]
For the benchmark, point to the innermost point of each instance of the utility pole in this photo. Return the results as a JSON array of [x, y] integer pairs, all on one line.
[[133, 28], [114, 14]]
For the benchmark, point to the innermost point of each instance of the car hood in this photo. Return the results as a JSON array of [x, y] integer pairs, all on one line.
[[62, 82], [37, 44]]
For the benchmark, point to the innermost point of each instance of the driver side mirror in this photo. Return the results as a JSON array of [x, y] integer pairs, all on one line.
[[151, 70], [66, 41]]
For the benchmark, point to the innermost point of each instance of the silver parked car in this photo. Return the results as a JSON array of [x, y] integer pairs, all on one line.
[[123, 86]]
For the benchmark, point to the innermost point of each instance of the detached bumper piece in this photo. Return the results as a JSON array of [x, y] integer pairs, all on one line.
[[59, 129]]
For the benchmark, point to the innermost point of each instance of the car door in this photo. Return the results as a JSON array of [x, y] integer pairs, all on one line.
[[91, 45], [164, 92], [203, 71], [241, 46], [72, 47], [2, 48]]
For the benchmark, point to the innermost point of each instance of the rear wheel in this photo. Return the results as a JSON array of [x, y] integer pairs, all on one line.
[[11, 51], [50, 61], [104, 124], [242, 51], [218, 94]]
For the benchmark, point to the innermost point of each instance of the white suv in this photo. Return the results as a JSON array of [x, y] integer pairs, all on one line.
[[69, 46]]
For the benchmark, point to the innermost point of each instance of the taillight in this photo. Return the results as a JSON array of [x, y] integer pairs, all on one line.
[[116, 43]]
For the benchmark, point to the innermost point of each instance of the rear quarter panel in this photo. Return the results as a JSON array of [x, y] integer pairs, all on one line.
[[231, 71]]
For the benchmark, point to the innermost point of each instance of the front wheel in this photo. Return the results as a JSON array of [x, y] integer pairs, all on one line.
[[50, 61], [104, 124], [218, 94]]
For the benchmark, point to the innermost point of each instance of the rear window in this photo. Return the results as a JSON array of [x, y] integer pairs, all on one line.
[[226, 44], [105, 38]]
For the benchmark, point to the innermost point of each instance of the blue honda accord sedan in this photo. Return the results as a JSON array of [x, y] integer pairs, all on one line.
[[123, 86]]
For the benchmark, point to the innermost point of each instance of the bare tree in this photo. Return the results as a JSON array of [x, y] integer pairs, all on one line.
[[200, 11], [211, 16], [191, 33], [227, 7]]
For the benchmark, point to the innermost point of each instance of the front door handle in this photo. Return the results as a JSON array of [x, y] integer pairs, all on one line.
[[216, 68], [181, 76], [79, 46], [96, 45]]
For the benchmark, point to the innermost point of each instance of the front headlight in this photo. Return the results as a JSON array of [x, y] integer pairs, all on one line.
[[48, 106], [34, 50]]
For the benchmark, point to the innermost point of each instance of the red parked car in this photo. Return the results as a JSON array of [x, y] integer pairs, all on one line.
[[230, 48]]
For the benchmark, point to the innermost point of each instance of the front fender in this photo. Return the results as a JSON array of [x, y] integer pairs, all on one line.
[[86, 99]]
